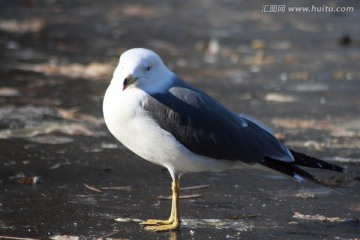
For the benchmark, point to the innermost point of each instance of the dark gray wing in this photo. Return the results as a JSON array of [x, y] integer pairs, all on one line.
[[206, 127]]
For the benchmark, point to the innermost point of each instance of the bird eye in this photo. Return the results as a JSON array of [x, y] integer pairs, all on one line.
[[148, 69]]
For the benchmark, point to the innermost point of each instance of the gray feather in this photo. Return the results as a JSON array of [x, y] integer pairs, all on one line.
[[207, 128]]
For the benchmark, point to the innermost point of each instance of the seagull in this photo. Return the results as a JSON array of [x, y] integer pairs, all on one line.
[[169, 122]]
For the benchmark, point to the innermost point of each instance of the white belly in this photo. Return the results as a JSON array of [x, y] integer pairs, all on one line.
[[134, 128]]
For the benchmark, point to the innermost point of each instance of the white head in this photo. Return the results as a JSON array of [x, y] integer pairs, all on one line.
[[141, 68]]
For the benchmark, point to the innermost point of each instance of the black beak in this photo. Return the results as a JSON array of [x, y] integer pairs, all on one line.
[[126, 81]]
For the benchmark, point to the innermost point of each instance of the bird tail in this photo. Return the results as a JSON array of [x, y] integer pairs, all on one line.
[[291, 169]]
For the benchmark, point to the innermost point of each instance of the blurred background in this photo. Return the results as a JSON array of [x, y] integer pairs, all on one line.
[[293, 65]]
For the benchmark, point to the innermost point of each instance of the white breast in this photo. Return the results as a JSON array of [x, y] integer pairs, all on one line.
[[134, 128]]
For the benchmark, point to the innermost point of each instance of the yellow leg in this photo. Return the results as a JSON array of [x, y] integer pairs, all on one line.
[[173, 223]]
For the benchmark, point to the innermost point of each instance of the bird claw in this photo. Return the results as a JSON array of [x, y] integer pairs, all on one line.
[[161, 225], [152, 222], [163, 228]]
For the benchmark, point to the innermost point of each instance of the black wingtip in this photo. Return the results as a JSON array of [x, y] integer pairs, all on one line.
[[294, 171], [312, 162], [335, 190]]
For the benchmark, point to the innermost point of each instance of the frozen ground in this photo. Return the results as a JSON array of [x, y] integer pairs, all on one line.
[[297, 72]]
